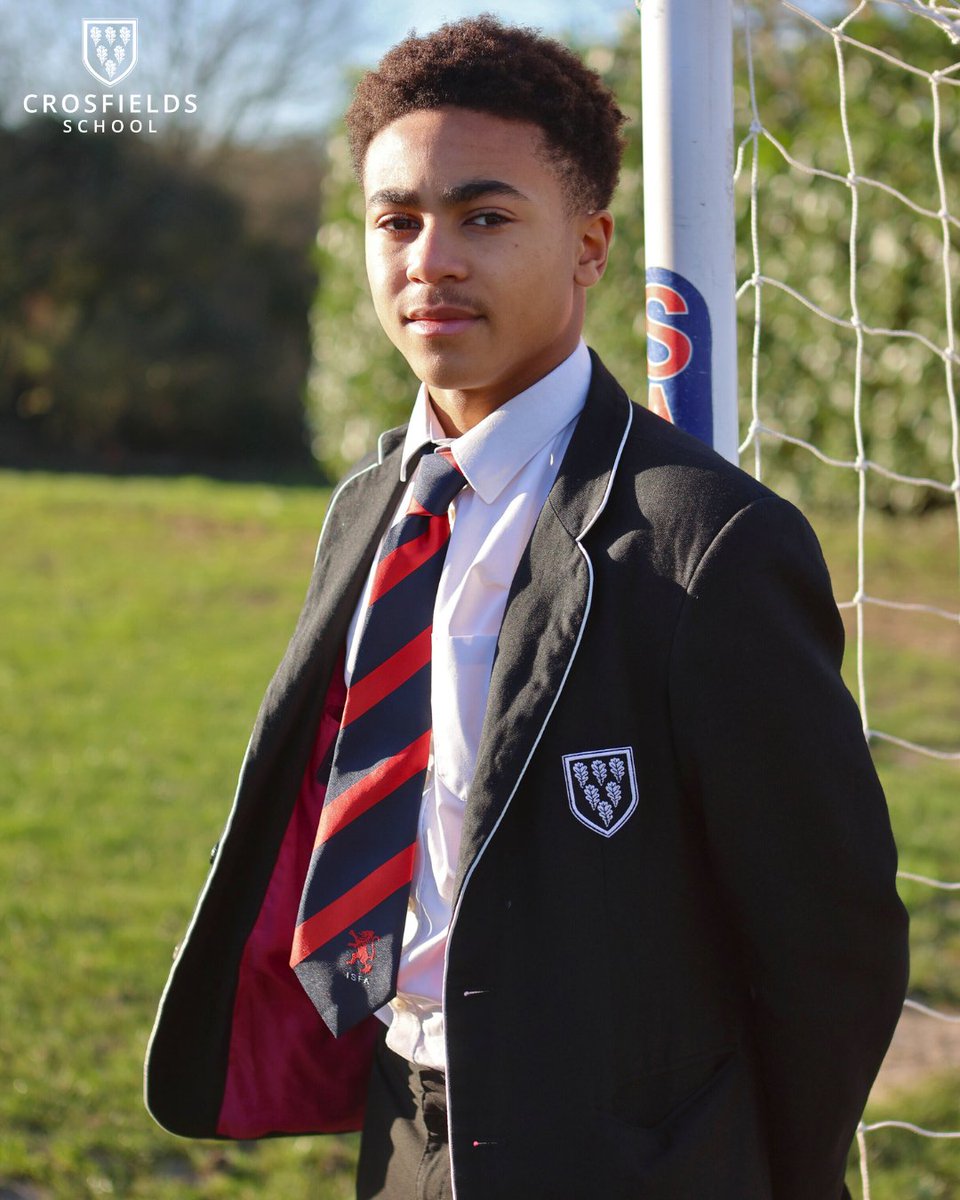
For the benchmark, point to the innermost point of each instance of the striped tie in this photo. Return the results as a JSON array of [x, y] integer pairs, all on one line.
[[346, 948]]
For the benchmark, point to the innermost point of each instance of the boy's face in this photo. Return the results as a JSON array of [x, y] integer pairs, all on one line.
[[477, 268]]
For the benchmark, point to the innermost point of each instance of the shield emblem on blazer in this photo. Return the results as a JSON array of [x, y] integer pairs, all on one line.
[[601, 787], [110, 48]]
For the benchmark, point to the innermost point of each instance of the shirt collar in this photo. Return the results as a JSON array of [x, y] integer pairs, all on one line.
[[494, 451]]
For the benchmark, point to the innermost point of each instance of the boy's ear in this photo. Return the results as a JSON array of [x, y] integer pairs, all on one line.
[[596, 234]]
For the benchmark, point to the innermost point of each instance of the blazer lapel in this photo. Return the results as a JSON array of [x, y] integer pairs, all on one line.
[[357, 516], [546, 611]]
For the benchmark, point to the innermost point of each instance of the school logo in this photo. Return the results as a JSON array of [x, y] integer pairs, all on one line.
[[109, 48], [679, 353], [601, 788], [364, 946]]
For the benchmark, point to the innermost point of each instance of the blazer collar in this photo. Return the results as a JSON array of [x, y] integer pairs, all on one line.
[[586, 474]]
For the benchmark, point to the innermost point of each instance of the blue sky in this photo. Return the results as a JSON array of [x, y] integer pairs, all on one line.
[[594, 18]]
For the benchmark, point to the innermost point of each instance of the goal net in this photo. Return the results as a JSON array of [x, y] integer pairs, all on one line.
[[847, 199], [801, 267]]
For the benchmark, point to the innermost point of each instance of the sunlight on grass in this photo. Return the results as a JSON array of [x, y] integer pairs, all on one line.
[[142, 622]]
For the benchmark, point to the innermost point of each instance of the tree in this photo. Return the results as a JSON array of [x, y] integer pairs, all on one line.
[[806, 364], [249, 62], [143, 322], [359, 384]]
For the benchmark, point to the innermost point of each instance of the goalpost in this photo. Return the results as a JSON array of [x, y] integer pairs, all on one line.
[[695, 295], [688, 227]]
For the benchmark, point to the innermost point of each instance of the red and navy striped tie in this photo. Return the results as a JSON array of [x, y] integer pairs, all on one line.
[[346, 948]]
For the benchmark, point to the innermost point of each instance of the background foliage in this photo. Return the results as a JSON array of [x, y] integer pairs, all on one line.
[[160, 297], [806, 367], [149, 322]]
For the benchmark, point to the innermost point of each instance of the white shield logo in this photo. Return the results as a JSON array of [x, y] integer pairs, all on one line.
[[109, 47], [601, 787]]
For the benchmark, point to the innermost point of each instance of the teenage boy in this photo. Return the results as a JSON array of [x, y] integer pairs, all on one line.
[[558, 863]]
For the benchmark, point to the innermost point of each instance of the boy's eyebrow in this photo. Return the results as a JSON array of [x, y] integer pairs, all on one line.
[[460, 193]]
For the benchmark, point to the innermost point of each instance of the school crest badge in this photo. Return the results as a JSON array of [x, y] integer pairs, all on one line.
[[601, 788], [110, 48]]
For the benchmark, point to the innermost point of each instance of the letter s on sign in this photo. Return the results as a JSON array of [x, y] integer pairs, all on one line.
[[665, 301]]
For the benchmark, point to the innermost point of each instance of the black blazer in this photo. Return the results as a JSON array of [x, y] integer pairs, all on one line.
[[677, 989]]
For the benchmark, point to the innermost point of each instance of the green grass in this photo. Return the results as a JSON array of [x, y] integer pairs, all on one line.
[[912, 676], [904, 1165], [141, 623]]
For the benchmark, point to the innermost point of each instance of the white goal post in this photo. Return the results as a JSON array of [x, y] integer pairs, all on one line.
[[687, 105]]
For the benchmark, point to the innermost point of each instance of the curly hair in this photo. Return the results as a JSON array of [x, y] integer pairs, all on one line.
[[509, 72]]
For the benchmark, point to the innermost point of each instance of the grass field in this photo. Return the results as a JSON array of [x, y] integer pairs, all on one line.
[[141, 622]]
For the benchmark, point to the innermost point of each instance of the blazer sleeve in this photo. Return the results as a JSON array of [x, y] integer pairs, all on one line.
[[771, 747]]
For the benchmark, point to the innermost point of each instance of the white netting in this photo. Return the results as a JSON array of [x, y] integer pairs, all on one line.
[[766, 153]]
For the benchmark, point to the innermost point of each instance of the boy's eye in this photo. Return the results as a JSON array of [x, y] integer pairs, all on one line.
[[398, 223], [488, 219]]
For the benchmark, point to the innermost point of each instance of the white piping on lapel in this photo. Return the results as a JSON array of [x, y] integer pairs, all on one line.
[[381, 454], [536, 742], [233, 809], [336, 496]]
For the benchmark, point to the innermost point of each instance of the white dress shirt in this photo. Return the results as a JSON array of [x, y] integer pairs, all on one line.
[[510, 461]]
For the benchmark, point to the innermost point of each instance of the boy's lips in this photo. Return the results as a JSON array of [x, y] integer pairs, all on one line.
[[433, 319]]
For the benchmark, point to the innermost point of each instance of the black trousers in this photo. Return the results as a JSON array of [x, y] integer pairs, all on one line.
[[404, 1153]]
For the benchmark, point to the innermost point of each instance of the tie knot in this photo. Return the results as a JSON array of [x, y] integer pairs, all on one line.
[[438, 481]]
